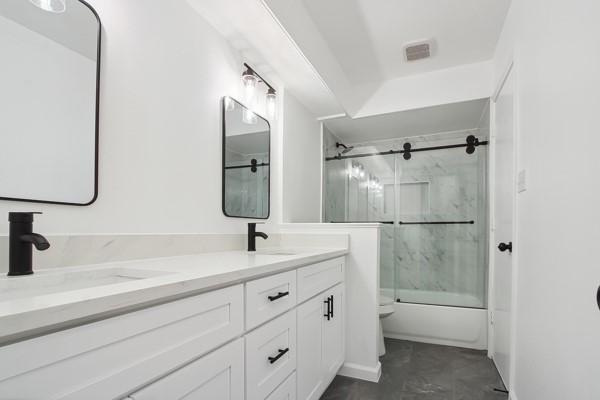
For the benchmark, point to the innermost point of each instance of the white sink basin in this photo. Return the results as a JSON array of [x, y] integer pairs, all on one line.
[[276, 253], [48, 282]]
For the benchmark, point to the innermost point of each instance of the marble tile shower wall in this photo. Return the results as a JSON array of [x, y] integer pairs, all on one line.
[[246, 195], [448, 258], [335, 182], [452, 187]]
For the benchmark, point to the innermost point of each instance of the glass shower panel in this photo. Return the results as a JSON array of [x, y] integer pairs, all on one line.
[[440, 243], [379, 177], [335, 197]]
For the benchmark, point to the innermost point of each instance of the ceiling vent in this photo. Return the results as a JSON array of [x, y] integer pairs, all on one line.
[[418, 50]]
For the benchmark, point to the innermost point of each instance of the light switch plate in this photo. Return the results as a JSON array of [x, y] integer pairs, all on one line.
[[522, 181]]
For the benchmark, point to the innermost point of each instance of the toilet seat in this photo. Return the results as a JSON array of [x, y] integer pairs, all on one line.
[[386, 310]]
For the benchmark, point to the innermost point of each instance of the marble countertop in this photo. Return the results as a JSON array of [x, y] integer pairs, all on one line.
[[181, 276]]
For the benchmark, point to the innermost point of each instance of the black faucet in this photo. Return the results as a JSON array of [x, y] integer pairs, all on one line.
[[21, 238], [252, 234]]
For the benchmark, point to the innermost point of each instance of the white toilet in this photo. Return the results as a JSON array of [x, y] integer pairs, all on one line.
[[386, 308]]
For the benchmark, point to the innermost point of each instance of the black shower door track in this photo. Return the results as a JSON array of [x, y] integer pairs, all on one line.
[[390, 152]]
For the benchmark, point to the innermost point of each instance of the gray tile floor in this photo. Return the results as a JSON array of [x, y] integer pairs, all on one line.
[[420, 371]]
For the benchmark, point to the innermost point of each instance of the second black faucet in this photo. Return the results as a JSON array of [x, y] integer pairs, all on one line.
[[252, 234]]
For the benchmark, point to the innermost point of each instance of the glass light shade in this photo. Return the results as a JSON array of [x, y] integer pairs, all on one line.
[[249, 117], [249, 80], [271, 103], [53, 6]]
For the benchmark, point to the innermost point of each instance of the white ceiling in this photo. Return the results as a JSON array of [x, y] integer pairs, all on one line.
[[338, 56], [368, 36], [248, 144], [424, 121]]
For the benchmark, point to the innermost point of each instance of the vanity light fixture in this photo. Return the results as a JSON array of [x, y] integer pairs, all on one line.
[[250, 79], [53, 6], [357, 170], [374, 184], [271, 103]]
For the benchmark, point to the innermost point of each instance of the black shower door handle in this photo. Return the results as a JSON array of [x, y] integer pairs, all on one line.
[[505, 246]]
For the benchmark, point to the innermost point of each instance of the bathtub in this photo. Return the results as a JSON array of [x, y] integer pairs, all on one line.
[[452, 326]]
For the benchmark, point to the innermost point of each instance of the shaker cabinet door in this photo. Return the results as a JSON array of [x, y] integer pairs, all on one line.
[[216, 376], [333, 334], [310, 349]]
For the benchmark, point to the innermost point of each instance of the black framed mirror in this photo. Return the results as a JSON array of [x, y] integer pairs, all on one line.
[[49, 101], [246, 161]]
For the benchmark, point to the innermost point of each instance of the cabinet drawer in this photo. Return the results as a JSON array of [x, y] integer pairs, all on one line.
[[268, 297], [270, 356], [316, 278], [109, 358], [217, 376], [286, 391]]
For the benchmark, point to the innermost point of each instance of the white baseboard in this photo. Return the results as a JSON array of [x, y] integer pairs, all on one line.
[[361, 372]]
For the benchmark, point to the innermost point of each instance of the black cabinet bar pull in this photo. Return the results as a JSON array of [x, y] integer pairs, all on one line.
[[278, 296], [331, 306], [328, 314], [279, 355]]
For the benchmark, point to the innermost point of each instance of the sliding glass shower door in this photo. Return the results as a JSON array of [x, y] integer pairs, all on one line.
[[433, 206], [441, 229]]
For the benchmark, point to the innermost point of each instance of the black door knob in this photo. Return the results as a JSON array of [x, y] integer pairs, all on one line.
[[503, 247]]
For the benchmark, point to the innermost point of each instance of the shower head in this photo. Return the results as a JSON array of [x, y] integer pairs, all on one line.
[[346, 148]]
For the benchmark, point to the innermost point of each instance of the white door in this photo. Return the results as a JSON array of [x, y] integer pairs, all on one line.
[[333, 333], [310, 349], [504, 195], [216, 376]]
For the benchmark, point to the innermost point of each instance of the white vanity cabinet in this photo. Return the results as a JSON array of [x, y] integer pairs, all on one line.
[[279, 337], [320, 342]]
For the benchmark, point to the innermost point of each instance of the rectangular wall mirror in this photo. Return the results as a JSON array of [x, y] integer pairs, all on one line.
[[49, 77], [246, 162]]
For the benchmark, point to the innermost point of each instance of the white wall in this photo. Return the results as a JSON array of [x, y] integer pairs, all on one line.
[[301, 163], [164, 70], [362, 290], [556, 48]]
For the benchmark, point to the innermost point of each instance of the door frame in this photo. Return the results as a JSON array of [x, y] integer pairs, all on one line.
[[510, 69]]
